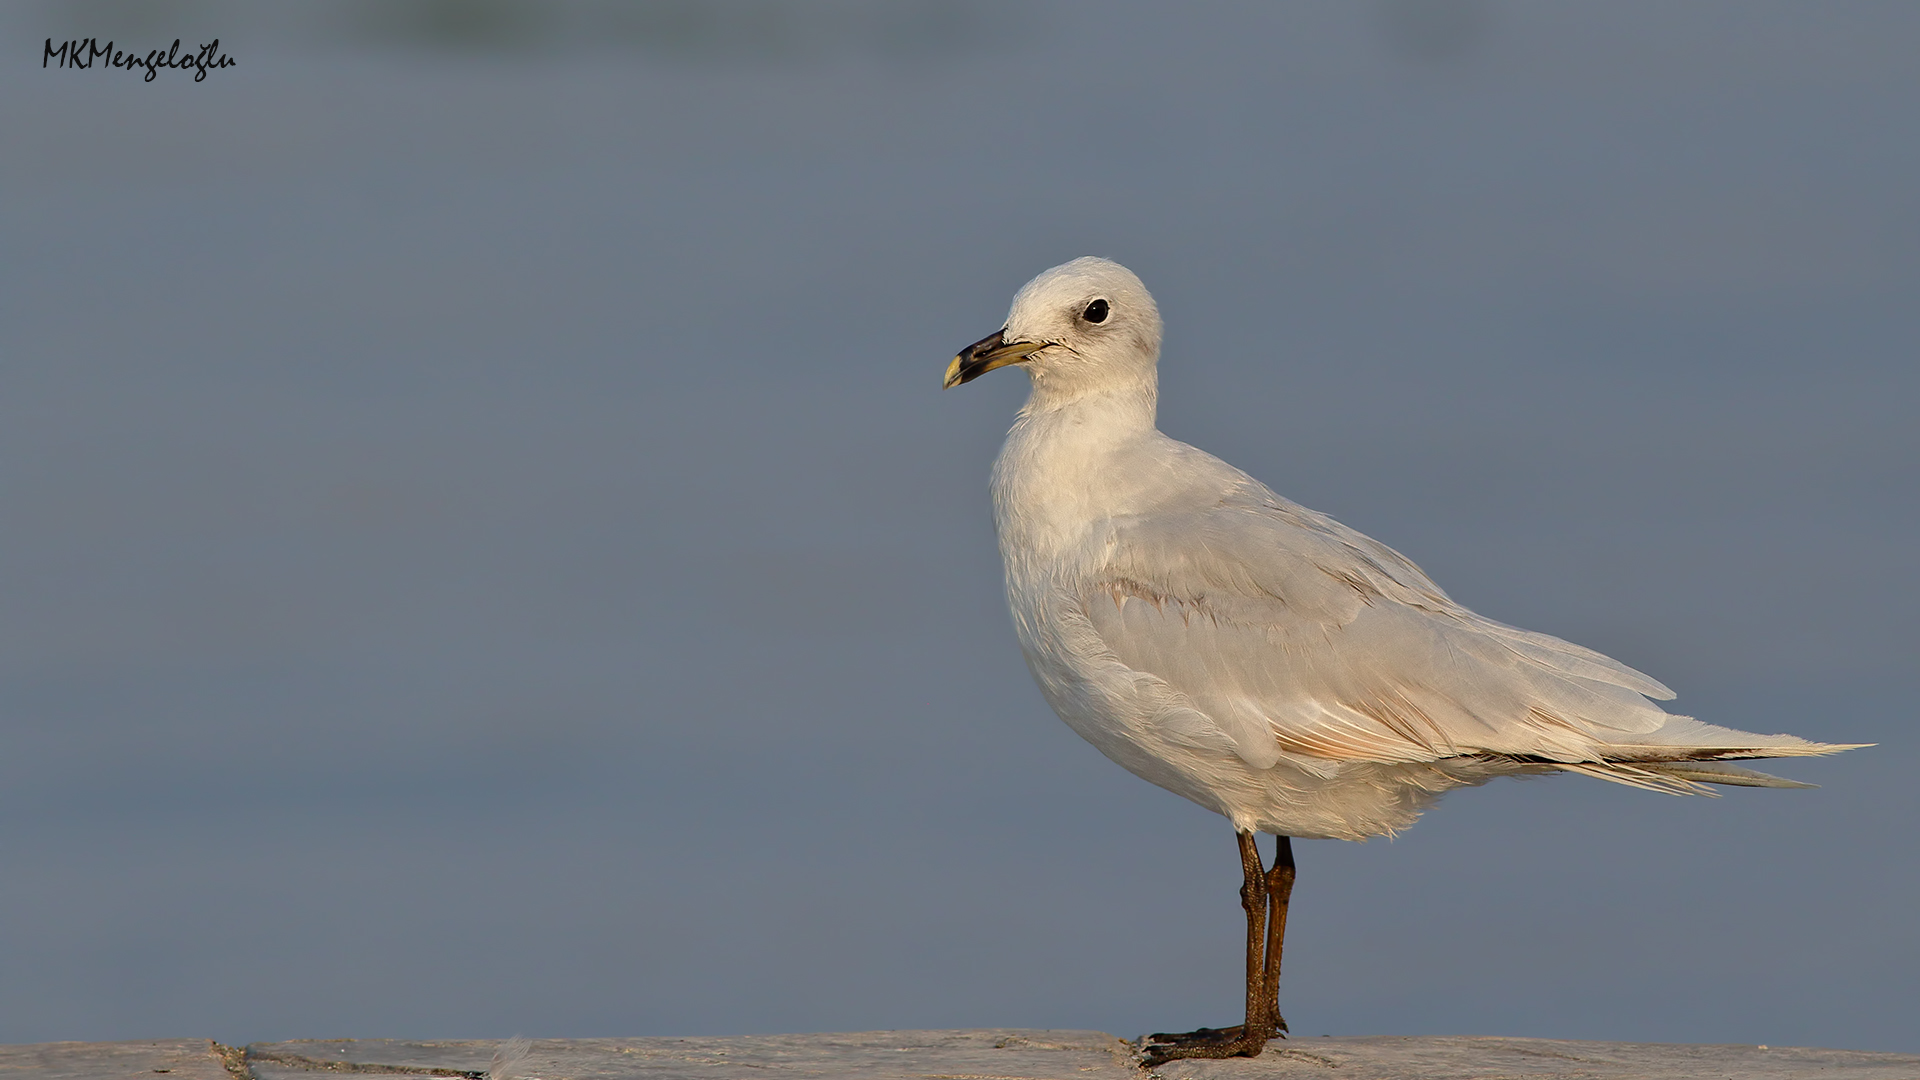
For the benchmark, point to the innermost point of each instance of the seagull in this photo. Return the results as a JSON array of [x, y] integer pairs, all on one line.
[[1260, 658]]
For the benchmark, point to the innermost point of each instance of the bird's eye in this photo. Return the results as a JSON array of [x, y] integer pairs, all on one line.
[[1096, 311]]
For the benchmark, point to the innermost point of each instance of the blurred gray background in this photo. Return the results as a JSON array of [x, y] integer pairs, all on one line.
[[484, 550]]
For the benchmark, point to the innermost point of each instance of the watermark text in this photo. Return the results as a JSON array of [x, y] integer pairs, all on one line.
[[81, 53]]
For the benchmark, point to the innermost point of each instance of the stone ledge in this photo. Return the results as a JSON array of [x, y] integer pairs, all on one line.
[[1456, 1057], [937, 1055], [147, 1059]]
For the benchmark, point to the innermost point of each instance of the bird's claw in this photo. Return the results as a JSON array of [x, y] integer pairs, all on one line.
[[1162, 1047]]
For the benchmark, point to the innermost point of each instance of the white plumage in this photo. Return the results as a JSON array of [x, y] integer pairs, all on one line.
[[1257, 657]]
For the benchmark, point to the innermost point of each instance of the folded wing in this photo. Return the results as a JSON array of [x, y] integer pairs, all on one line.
[[1301, 638]]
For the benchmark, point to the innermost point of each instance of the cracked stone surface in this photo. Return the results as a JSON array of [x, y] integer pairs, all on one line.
[[944, 1055], [1387, 1057], [150, 1059], [923, 1055]]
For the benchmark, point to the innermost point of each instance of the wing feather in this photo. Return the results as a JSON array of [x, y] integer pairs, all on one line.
[[1297, 635]]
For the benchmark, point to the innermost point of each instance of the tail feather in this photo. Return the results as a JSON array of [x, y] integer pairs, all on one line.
[[1647, 777], [1719, 772], [1685, 770]]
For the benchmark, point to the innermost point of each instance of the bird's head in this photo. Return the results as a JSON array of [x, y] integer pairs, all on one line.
[[1087, 324]]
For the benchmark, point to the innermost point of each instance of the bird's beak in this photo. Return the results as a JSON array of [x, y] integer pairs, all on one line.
[[984, 355]]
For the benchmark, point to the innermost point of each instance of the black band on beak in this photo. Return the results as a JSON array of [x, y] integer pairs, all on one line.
[[989, 352]]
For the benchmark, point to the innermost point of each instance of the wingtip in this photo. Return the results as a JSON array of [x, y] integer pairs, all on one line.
[[1823, 749]]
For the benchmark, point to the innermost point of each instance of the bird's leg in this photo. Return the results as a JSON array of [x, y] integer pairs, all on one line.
[[1253, 897], [1279, 891], [1262, 1013]]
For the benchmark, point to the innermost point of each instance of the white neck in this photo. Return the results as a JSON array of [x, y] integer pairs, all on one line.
[[1067, 463], [1129, 403]]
